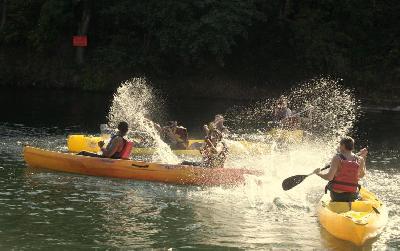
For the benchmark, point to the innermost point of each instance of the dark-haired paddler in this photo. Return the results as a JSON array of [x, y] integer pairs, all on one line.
[[346, 170]]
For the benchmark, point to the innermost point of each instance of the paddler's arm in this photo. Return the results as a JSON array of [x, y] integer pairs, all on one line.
[[206, 129], [225, 131], [158, 127], [212, 147], [362, 172], [362, 159], [177, 138], [335, 163], [112, 147]]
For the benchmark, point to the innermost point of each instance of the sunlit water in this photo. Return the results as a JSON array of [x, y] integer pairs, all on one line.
[[58, 211]]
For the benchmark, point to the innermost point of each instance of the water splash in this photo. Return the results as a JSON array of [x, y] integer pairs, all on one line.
[[333, 110], [135, 101], [332, 107]]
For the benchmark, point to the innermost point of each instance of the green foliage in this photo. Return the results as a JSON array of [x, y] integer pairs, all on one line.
[[21, 17], [55, 20], [271, 41], [93, 80], [155, 33]]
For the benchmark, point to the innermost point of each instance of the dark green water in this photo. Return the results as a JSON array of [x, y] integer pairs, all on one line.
[[56, 211]]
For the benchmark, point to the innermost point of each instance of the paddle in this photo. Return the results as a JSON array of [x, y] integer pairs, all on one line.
[[293, 181]]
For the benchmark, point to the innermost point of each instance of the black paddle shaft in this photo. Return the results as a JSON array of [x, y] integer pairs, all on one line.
[[293, 181]]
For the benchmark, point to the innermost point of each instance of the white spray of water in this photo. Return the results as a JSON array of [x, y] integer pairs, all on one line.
[[333, 114], [332, 107], [133, 101], [334, 111], [254, 205]]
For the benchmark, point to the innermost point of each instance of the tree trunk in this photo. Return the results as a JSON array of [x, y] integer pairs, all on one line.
[[286, 10], [83, 29], [3, 15]]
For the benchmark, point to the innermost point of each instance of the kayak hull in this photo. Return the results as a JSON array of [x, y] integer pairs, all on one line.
[[365, 220], [136, 170]]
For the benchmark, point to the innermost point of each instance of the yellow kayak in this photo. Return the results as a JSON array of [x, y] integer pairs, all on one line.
[[78, 143], [364, 220], [137, 170], [293, 136]]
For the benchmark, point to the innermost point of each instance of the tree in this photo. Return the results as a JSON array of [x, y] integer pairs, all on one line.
[[83, 26], [3, 15]]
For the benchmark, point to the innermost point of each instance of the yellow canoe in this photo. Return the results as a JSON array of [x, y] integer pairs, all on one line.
[[77, 143], [364, 220], [293, 136], [137, 170]]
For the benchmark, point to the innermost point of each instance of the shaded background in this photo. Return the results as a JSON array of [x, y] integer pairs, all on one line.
[[236, 49]]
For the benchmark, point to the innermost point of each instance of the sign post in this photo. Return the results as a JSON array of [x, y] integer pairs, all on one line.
[[79, 41]]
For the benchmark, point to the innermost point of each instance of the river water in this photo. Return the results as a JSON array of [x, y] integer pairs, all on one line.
[[47, 210]]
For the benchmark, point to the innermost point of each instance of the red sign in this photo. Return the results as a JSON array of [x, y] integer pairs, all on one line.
[[79, 41]]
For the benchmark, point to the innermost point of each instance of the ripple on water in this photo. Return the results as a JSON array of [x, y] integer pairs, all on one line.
[[46, 210]]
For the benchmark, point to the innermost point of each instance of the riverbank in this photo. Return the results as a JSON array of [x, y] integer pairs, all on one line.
[[385, 98]]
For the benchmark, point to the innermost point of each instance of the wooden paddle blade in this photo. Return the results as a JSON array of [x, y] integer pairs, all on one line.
[[293, 181]]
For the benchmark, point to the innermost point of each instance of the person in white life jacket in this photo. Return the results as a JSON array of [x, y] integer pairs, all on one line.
[[175, 136], [345, 171], [117, 148]]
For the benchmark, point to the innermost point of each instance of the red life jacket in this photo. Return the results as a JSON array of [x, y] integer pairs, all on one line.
[[127, 149], [346, 178]]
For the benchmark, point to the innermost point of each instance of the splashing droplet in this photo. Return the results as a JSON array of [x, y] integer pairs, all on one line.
[[133, 102]]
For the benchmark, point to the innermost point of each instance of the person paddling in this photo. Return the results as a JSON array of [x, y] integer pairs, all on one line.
[[345, 171], [214, 151], [281, 110], [218, 124], [175, 136], [116, 148]]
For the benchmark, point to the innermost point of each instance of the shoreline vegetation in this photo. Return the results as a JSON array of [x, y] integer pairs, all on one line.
[[377, 102], [217, 49]]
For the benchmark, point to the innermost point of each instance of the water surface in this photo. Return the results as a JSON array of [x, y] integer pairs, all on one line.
[[48, 210]]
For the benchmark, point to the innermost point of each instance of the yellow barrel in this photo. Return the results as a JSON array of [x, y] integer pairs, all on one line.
[[78, 143]]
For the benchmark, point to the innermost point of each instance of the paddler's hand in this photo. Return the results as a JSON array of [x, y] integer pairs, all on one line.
[[317, 171], [363, 153], [101, 144]]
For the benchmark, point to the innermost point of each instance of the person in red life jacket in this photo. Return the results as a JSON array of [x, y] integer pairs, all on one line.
[[346, 170], [175, 136], [117, 148]]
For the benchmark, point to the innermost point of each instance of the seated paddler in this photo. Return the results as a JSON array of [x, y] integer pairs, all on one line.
[[214, 151], [175, 136], [117, 148], [281, 110], [345, 171]]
